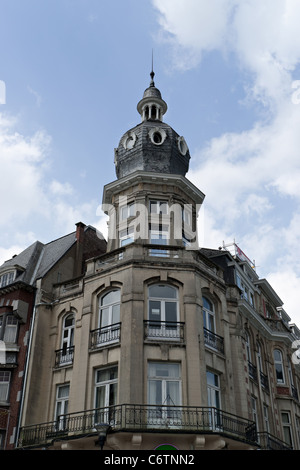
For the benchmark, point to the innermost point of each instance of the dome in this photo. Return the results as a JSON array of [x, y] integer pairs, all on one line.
[[152, 147]]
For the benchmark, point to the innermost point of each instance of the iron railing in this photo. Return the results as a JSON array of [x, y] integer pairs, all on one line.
[[105, 335], [141, 418], [173, 331], [213, 340], [64, 356], [269, 442]]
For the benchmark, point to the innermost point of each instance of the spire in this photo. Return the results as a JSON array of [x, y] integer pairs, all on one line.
[[152, 73], [152, 106]]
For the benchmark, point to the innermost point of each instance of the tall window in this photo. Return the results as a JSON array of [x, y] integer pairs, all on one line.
[[106, 387], [208, 315], [163, 310], [4, 385], [109, 317], [286, 425], [8, 328], [213, 398], [61, 406], [279, 367], [164, 389], [67, 340]]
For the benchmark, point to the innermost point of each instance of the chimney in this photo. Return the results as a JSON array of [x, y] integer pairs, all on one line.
[[79, 249]]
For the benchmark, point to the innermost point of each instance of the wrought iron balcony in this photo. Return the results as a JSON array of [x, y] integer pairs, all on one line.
[[172, 331], [141, 418], [64, 356], [269, 442], [105, 335], [213, 340], [252, 371]]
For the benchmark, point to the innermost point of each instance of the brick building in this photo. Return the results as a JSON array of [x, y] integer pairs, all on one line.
[[22, 279]]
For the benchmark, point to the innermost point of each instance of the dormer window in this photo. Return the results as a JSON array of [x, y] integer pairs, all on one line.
[[7, 278]]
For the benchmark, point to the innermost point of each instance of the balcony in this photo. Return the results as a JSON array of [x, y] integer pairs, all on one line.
[[105, 336], [64, 357], [168, 331], [268, 442], [141, 418], [213, 340]]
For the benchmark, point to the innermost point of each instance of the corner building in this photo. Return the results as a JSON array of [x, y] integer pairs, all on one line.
[[158, 344]]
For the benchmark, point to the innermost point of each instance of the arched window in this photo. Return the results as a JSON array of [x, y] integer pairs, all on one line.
[[65, 354], [163, 311], [279, 366], [208, 315], [109, 318]]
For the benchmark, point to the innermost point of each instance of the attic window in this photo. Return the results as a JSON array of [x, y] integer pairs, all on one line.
[[7, 278]]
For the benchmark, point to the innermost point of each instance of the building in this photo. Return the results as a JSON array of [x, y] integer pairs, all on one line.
[[23, 280], [159, 341]]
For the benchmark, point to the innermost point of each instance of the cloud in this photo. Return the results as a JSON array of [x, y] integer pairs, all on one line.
[[251, 178], [26, 194]]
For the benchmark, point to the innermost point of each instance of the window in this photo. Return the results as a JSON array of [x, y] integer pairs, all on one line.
[[213, 398], [67, 342], [208, 315], [164, 391], [109, 317], [158, 207], [286, 426], [8, 328], [127, 211], [61, 407], [279, 367], [106, 387], [126, 236], [254, 411], [163, 311], [266, 418], [4, 385], [7, 278]]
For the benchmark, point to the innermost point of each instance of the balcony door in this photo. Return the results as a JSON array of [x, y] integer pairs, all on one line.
[[163, 312], [106, 387], [164, 394]]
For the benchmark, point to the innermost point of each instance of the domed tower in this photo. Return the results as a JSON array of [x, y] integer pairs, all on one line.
[[152, 199], [152, 145]]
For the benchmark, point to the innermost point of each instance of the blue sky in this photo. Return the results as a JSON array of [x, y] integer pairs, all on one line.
[[74, 71]]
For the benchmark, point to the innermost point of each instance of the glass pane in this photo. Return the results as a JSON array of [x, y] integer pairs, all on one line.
[[63, 391], [207, 304], [171, 312], [104, 317], [69, 320], [163, 292], [100, 397], [154, 310], [172, 391], [277, 355], [279, 373], [111, 297], [112, 394], [107, 374], [115, 314]]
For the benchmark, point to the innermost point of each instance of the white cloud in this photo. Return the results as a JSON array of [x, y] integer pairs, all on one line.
[[251, 178], [26, 194]]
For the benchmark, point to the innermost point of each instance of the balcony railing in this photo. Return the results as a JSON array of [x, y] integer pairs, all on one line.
[[268, 442], [213, 340], [64, 356], [252, 371], [105, 335], [172, 331], [141, 418]]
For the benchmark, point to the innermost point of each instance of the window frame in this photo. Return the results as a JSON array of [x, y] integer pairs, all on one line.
[[279, 363], [163, 327], [4, 396]]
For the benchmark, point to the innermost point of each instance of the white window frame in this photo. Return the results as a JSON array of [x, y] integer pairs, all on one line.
[[126, 236], [5, 377], [61, 406], [164, 393], [67, 339], [209, 318], [127, 211], [105, 414], [214, 398], [106, 334], [164, 329], [287, 427], [158, 207], [278, 363]]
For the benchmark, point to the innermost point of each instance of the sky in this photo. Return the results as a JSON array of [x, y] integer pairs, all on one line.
[[71, 75]]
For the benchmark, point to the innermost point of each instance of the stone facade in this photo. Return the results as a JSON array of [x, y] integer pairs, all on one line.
[[159, 341]]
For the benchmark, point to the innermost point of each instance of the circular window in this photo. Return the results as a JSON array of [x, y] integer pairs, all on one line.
[[183, 148], [157, 136]]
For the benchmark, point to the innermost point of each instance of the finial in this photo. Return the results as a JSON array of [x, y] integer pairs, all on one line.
[[152, 73]]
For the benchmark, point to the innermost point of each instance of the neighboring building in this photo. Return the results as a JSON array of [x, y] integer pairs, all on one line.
[[160, 342], [23, 279]]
